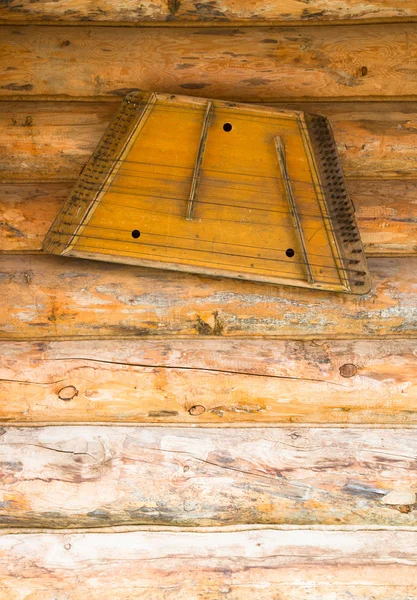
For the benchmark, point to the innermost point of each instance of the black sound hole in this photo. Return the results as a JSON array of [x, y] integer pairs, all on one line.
[[135, 234], [289, 252], [227, 127]]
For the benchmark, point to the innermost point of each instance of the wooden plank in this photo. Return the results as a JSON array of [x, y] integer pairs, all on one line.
[[209, 381], [386, 212], [249, 64], [221, 12], [108, 476], [296, 564], [49, 297], [53, 140]]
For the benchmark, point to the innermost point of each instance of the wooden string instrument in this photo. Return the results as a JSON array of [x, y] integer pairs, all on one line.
[[216, 188]]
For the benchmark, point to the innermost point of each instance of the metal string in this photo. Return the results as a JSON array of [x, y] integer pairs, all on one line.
[[217, 263], [111, 239], [113, 188], [142, 209], [154, 176]]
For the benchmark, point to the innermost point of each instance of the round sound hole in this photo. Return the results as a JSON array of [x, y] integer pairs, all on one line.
[[227, 127], [289, 252], [135, 234]]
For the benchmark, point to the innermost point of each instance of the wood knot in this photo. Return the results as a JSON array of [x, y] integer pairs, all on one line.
[[363, 71], [348, 370], [68, 393], [196, 410]]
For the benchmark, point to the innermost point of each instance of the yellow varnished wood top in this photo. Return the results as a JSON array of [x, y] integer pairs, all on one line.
[[214, 188]]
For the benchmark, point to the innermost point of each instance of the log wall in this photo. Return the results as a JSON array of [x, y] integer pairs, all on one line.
[[172, 436]]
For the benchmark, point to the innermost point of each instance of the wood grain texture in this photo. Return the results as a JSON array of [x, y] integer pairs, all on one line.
[[27, 212], [387, 216], [247, 64], [296, 565], [221, 12], [48, 297], [108, 476], [229, 381], [53, 140], [386, 212]]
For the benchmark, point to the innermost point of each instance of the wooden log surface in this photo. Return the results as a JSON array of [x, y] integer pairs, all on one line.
[[249, 64], [60, 477], [49, 297], [168, 565], [220, 12], [209, 382], [44, 141]]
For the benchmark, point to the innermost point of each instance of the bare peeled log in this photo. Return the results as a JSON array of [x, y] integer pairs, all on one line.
[[235, 63], [49, 297], [92, 476], [168, 565], [209, 381], [218, 12]]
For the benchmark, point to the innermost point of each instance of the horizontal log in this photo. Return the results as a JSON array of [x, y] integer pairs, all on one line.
[[217, 11], [386, 212], [168, 565], [60, 477], [50, 140], [49, 297], [53, 140], [250, 64], [209, 381]]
